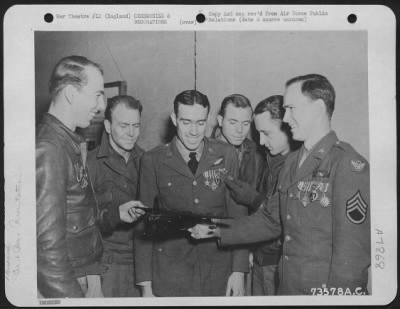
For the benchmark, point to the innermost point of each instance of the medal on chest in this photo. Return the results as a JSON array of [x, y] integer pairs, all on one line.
[[213, 177], [313, 190]]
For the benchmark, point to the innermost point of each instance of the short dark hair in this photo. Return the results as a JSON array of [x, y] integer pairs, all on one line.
[[126, 100], [70, 71], [237, 100], [191, 97], [316, 86], [272, 104]]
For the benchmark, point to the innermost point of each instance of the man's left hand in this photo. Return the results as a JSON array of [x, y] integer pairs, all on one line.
[[201, 231], [235, 286]]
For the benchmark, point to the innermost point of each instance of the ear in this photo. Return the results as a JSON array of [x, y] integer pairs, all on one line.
[[321, 106], [173, 118], [107, 126], [69, 93], [219, 120]]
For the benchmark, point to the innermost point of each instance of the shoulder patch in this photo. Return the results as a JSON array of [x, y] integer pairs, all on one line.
[[357, 165], [356, 208]]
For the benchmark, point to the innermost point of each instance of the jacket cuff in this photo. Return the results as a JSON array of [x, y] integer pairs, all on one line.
[[226, 237]]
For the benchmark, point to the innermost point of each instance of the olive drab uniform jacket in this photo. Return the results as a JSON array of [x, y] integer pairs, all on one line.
[[180, 265], [325, 214], [115, 182]]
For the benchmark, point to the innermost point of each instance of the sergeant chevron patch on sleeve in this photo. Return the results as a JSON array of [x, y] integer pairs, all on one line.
[[356, 208]]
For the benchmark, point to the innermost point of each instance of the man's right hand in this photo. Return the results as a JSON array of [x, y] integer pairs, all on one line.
[[131, 211]]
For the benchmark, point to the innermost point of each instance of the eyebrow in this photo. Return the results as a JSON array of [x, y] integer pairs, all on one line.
[[185, 119], [129, 124]]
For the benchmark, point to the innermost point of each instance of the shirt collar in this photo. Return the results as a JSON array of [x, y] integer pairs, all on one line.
[[184, 152], [324, 144], [74, 137], [106, 150], [243, 147]]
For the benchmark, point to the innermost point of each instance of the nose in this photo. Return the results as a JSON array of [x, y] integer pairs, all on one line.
[[102, 104], [193, 129], [262, 140], [131, 131], [286, 116], [239, 128]]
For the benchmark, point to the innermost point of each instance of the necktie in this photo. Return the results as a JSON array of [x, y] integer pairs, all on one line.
[[193, 162]]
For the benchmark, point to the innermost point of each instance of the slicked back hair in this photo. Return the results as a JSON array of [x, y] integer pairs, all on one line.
[[272, 104], [316, 86], [191, 97], [70, 70], [237, 100]]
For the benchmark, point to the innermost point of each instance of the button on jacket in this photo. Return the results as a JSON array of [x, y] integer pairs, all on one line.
[[182, 266], [115, 182], [68, 240], [325, 213]]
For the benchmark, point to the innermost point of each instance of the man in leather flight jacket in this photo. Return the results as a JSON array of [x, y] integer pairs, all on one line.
[[69, 244]]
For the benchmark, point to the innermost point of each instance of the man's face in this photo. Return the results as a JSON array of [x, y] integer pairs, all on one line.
[[235, 124], [89, 99], [271, 135], [124, 128], [190, 124], [300, 112]]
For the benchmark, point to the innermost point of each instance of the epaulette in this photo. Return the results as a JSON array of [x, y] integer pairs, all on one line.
[[357, 163], [345, 147]]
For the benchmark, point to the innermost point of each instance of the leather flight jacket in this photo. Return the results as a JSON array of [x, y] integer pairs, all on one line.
[[69, 243]]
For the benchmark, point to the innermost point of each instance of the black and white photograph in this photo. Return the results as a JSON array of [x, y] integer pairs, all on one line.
[[236, 152]]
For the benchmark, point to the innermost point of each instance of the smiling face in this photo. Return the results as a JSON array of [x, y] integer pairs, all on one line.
[[271, 135], [124, 128], [235, 124], [301, 112], [190, 123], [88, 100]]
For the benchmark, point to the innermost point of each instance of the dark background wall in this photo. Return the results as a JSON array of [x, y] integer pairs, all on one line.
[[158, 65]]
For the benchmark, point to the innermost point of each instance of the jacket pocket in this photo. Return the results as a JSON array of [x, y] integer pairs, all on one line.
[[83, 239], [174, 248]]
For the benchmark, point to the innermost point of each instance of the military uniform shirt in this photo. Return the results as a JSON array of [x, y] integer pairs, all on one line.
[[180, 265], [325, 215]]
